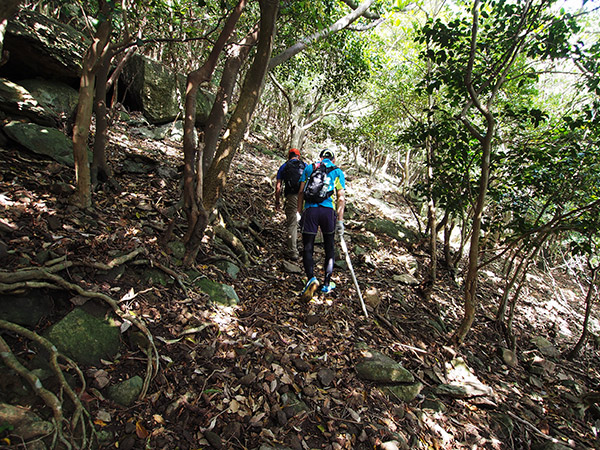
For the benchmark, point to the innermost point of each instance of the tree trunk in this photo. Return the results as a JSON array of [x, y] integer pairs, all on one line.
[[217, 175], [237, 55], [589, 302], [305, 42], [100, 170], [7, 9], [192, 171], [511, 279], [298, 137], [526, 263], [83, 120], [470, 295], [431, 210]]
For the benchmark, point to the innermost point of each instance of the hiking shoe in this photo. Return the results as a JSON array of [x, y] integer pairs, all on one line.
[[292, 256], [309, 290], [328, 287]]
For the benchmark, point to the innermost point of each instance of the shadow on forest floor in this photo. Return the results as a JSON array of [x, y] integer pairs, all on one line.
[[231, 383]]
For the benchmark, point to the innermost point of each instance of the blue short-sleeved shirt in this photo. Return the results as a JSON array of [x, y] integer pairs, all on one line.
[[280, 171], [336, 181]]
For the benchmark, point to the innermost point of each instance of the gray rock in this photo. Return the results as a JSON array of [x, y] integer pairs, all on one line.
[[15, 100], [55, 96], [372, 297], [85, 338], [465, 390], [213, 439], [382, 369], [45, 141], [326, 376], [545, 347], [229, 268], [172, 131], [219, 293], [404, 392], [406, 278], [126, 392], [434, 405], [542, 367], [26, 309], [42, 46], [394, 230], [25, 423], [509, 357], [159, 93], [291, 267]]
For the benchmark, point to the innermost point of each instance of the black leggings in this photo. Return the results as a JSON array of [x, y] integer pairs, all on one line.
[[308, 240]]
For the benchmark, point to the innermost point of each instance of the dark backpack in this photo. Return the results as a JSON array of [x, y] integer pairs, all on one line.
[[315, 189], [291, 176]]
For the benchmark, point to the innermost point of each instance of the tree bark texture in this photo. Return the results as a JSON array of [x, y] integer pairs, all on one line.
[[237, 56], [100, 170], [589, 302], [305, 42], [470, 296], [192, 170], [7, 9], [251, 90], [81, 130]]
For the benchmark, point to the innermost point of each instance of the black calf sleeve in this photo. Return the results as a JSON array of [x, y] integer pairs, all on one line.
[[308, 241], [329, 245]]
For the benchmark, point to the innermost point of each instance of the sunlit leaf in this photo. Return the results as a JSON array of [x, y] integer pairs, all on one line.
[[141, 432]]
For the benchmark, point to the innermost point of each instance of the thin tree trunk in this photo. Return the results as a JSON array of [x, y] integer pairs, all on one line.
[[246, 104], [192, 171], [237, 56], [100, 170], [470, 296], [8, 8], [81, 130], [589, 302], [510, 337], [510, 283]]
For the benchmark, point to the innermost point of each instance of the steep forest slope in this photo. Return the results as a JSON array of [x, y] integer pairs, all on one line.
[[271, 372]]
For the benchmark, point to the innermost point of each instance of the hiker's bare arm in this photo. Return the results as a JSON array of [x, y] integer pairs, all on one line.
[[341, 203], [301, 196], [277, 193]]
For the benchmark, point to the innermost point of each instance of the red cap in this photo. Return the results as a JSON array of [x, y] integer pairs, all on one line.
[[294, 151]]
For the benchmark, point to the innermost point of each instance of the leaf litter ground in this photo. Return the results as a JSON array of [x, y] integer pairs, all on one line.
[[232, 377]]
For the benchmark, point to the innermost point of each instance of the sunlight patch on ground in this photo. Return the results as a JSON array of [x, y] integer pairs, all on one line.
[[491, 276], [224, 317]]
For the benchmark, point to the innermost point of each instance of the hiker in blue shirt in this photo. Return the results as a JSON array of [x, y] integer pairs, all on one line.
[[289, 175], [321, 208]]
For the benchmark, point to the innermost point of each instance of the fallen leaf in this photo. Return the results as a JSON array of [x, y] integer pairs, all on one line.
[[141, 432]]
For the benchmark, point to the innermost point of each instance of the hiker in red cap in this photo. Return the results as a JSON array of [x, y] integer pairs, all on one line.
[[289, 175]]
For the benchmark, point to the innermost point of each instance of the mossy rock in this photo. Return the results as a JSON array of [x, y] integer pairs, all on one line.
[[219, 293], [85, 338], [393, 229]]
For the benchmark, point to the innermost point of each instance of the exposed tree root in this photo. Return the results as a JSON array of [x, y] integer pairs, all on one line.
[[80, 419], [80, 426]]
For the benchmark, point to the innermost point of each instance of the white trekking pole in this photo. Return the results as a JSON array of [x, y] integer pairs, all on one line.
[[345, 250]]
